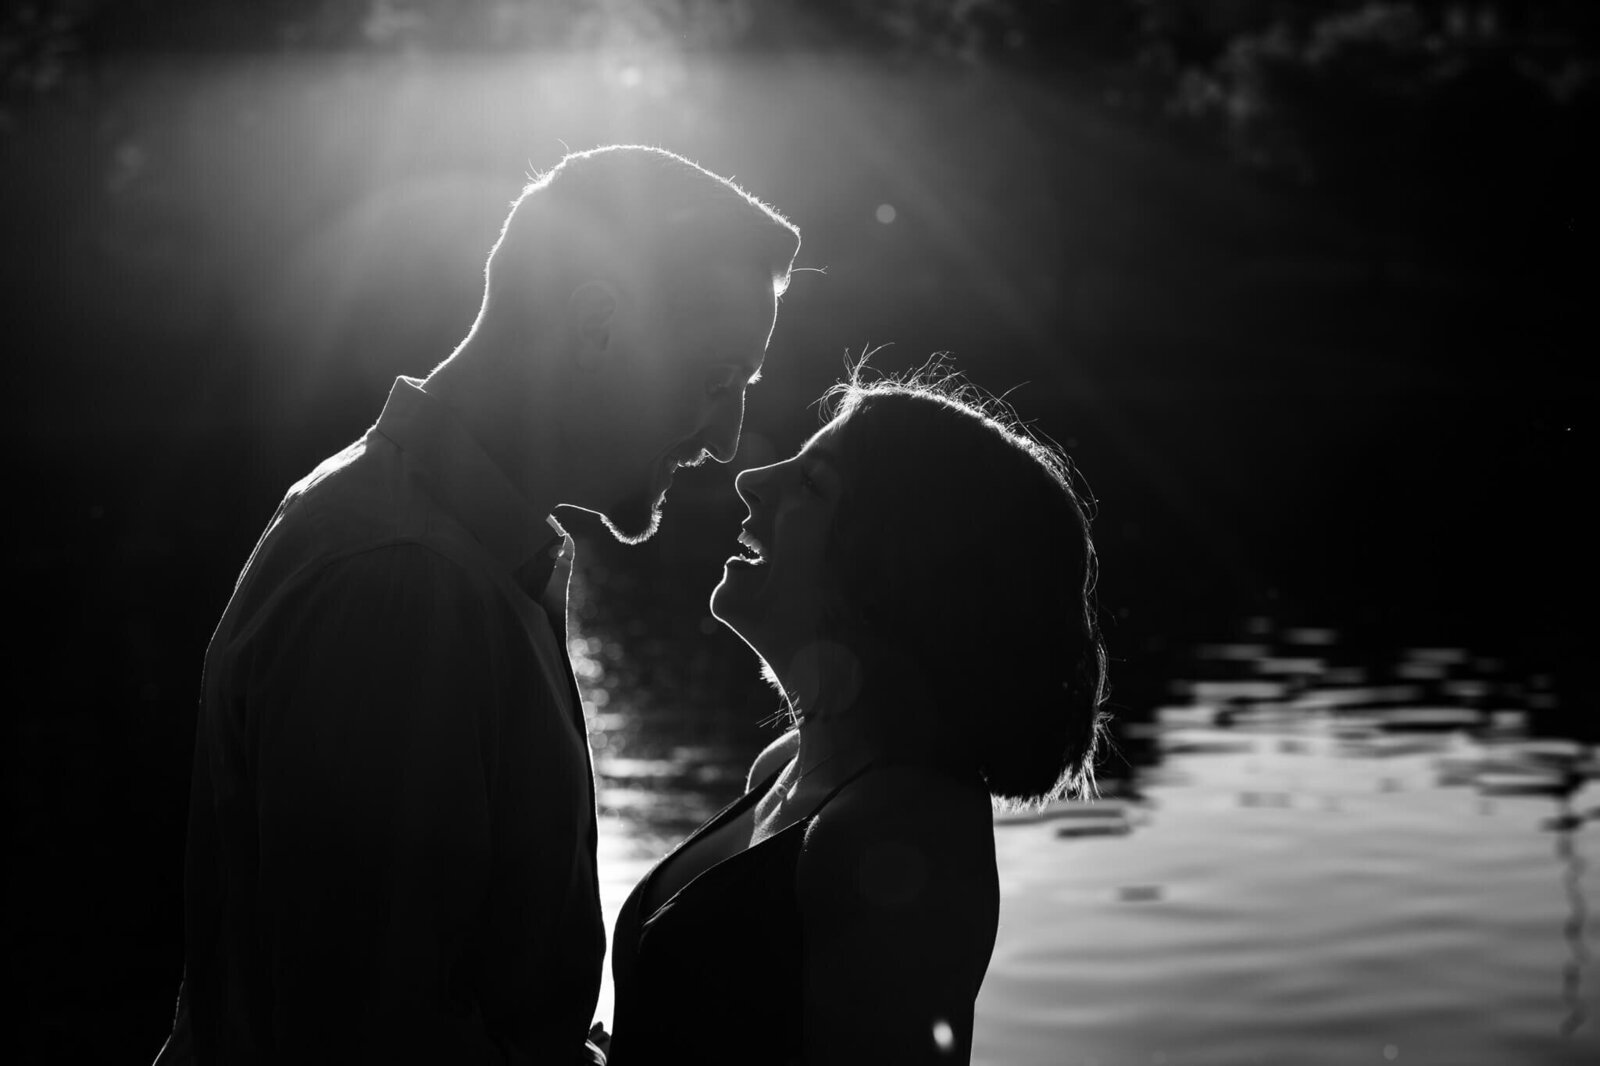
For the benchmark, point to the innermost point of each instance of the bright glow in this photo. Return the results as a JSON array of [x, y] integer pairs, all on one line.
[[1391, 1052], [943, 1036], [886, 213], [630, 77]]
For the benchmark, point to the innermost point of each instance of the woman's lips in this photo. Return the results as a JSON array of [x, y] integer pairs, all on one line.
[[757, 552]]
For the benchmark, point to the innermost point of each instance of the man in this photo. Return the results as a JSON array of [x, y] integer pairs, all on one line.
[[391, 852]]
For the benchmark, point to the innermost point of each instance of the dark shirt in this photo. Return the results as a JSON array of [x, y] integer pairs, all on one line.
[[713, 975], [391, 851]]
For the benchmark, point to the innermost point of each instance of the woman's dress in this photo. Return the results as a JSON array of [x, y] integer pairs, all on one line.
[[712, 975]]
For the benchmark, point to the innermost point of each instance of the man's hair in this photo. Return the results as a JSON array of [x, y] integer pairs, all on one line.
[[960, 551], [604, 208]]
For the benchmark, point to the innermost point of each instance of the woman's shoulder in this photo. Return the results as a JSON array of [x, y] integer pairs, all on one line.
[[774, 757], [914, 798], [904, 838]]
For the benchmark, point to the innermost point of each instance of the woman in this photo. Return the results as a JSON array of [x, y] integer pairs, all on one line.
[[917, 586]]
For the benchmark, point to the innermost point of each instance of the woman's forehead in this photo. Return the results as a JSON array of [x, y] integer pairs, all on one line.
[[825, 440]]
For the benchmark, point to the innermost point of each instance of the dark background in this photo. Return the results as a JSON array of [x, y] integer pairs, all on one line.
[[1306, 290]]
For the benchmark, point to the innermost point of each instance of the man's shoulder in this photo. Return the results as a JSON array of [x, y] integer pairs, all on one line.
[[355, 494], [355, 511], [359, 497], [339, 462]]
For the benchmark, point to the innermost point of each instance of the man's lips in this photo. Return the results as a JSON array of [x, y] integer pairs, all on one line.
[[691, 456]]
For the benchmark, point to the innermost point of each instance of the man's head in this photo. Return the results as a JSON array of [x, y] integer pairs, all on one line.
[[630, 298]]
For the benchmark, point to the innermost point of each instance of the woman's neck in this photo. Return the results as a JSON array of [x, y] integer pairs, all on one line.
[[822, 683], [848, 719], [831, 751]]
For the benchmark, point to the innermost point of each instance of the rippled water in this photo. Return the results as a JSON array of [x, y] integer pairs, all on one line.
[[648, 803], [1299, 877], [1291, 895]]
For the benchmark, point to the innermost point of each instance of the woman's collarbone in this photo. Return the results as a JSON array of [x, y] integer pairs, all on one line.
[[781, 809]]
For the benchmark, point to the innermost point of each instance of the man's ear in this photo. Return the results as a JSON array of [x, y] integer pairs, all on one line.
[[591, 309]]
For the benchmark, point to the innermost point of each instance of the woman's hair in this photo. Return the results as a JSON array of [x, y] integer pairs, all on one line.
[[965, 573]]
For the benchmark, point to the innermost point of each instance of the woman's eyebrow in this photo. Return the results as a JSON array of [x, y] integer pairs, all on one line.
[[822, 456]]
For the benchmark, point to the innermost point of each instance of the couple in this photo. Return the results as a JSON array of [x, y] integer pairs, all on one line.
[[391, 841]]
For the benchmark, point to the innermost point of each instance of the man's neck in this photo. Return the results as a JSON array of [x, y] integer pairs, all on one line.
[[512, 421]]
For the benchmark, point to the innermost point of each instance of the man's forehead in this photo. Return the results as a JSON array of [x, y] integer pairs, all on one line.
[[724, 331], [727, 285]]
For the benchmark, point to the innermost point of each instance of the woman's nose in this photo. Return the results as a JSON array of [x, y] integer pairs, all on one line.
[[751, 484]]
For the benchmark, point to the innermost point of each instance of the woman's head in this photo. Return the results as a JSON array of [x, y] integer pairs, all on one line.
[[933, 557]]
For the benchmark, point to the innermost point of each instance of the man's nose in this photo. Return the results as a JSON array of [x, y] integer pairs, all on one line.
[[722, 435]]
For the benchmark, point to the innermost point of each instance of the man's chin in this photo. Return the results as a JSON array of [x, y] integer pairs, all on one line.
[[633, 525]]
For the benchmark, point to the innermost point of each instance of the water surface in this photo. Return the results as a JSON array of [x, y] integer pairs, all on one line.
[[1312, 868], [1291, 895]]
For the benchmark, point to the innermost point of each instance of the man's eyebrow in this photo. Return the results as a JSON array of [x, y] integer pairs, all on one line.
[[750, 367]]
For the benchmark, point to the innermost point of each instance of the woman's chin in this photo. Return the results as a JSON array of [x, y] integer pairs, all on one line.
[[741, 578], [728, 600], [721, 606]]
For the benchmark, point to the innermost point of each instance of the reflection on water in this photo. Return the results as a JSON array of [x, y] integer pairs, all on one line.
[[659, 771], [1305, 895], [650, 802], [1315, 861]]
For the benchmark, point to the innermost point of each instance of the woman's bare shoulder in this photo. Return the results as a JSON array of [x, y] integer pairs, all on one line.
[[773, 758], [908, 819], [908, 795]]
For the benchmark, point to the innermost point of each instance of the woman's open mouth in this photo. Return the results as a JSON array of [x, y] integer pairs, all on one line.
[[755, 554]]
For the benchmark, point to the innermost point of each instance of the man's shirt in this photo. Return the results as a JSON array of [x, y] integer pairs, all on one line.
[[391, 848]]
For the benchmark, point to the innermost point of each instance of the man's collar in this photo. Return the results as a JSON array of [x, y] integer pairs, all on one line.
[[464, 480]]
